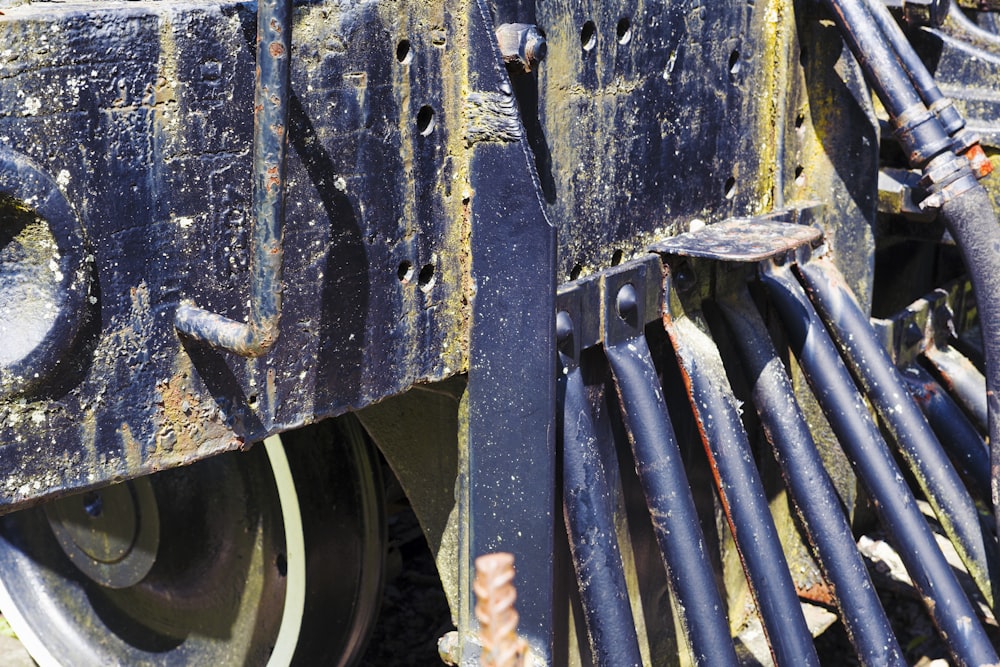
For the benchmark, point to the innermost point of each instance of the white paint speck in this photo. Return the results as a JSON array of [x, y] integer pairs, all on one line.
[[62, 178]]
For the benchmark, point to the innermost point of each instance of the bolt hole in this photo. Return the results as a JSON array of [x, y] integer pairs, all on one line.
[[624, 31], [426, 277], [425, 120], [734, 62], [617, 256], [799, 120], [403, 53], [281, 562], [730, 187], [800, 178], [93, 504], [588, 36], [575, 272], [404, 272], [252, 401]]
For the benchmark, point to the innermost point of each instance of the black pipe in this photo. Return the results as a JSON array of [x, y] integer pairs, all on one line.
[[965, 206], [589, 515], [868, 453], [964, 444], [742, 495], [917, 129], [884, 387], [811, 488], [671, 505], [961, 377], [942, 107], [270, 146], [973, 224]]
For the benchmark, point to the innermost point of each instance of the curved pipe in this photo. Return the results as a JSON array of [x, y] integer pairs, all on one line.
[[884, 387], [965, 206], [845, 409], [671, 505], [810, 486], [941, 106], [742, 494], [270, 146], [590, 524]]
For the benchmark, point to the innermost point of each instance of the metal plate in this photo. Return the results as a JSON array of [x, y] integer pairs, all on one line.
[[740, 240]]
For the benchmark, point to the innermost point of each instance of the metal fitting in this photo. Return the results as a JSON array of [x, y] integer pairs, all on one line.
[[522, 46]]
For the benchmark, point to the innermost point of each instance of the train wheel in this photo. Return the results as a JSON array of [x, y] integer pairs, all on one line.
[[273, 557]]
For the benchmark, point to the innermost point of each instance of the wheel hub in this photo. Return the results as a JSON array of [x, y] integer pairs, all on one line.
[[112, 534]]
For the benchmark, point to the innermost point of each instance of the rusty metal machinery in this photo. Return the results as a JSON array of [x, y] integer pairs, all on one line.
[[673, 302]]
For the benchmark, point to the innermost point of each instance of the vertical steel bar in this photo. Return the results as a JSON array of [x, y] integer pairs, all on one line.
[[882, 384], [848, 415], [588, 510], [671, 506], [956, 433], [742, 494], [810, 487], [270, 145]]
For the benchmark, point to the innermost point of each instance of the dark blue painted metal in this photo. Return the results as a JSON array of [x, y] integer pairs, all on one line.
[[270, 141], [588, 507], [810, 486], [512, 373], [965, 446], [661, 474], [62, 274], [870, 363], [848, 415], [741, 491], [923, 81]]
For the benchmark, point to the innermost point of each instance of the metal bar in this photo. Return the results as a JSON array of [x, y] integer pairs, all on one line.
[[589, 514], [661, 470], [884, 387], [848, 415], [810, 486], [962, 379], [270, 144], [923, 81], [742, 494], [916, 128], [964, 444]]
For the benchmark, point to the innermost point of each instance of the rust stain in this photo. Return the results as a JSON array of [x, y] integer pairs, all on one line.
[[820, 592], [276, 49]]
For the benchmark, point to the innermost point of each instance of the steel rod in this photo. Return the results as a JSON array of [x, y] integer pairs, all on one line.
[[671, 505], [868, 453], [742, 494], [811, 489], [588, 510], [870, 363], [270, 146]]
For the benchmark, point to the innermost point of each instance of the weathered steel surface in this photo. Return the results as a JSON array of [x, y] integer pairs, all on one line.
[[142, 115]]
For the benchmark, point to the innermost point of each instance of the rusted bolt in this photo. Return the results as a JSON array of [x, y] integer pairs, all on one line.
[[522, 46], [495, 596]]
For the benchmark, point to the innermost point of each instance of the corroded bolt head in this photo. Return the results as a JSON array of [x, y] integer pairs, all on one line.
[[522, 46]]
